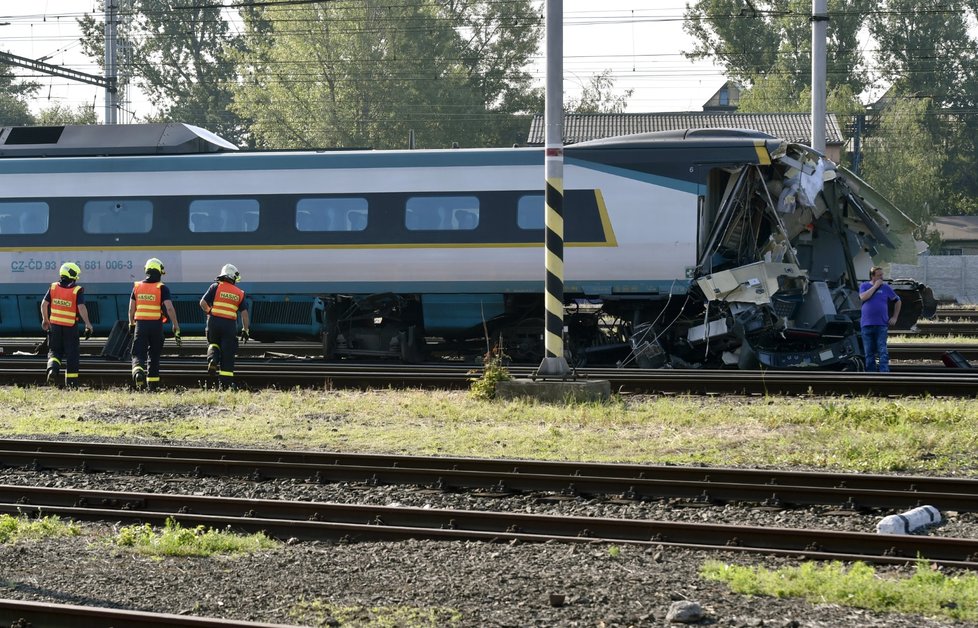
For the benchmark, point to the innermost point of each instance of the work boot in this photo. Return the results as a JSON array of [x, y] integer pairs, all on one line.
[[212, 368], [138, 379], [53, 378]]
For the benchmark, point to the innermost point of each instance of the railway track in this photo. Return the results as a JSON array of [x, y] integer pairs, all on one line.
[[186, 373], [48, 615], [632, 482], [321, 521]]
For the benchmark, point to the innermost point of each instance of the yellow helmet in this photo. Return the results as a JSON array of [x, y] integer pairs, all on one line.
[[70, 270], [155, 264], [231, 272]]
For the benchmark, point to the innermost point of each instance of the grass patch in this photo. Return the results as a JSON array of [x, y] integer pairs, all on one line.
[[926, 592], [318, 613], [20, 528], [175, 540], [846, 434]]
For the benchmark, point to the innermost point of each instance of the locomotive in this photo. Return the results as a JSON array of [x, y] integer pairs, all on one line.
[[700, 248]]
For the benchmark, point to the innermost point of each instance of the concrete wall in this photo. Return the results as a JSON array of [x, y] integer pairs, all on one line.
[[951, 277]]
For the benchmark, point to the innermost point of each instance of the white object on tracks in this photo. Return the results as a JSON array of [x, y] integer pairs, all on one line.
[[909, 521]]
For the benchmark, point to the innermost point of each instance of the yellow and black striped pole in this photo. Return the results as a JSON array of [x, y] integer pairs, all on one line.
[[554, 364]]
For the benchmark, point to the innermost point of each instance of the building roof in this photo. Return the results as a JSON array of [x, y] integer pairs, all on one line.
[[580, 127], [957, 228]]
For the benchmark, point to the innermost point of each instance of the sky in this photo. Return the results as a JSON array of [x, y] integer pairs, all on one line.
[[641, 47]]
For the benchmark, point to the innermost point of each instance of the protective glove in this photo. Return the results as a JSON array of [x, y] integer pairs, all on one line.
[[244, 336], [178, 338], [88, 333]]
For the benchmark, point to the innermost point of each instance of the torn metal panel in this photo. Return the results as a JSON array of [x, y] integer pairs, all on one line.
[[753, 283], [898, 226]]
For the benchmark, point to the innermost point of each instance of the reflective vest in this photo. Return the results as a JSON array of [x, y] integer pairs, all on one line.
[[64, 304], [148, 301], [227, 300]]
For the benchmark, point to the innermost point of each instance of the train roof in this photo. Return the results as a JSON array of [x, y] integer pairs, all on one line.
[[730, 137], [76, 140]]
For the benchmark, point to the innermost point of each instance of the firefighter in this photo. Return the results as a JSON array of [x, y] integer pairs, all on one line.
[[62, 305], [150, 297], [222, 302]]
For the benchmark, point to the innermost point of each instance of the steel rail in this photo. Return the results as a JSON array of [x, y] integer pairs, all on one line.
[[946, 382], [16, 612], [631, 482], [197, 347], [308, 521]]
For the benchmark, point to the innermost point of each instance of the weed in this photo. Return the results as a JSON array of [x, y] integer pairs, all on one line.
[[927, 591], [493, 372], [18, 528], [175, 540]]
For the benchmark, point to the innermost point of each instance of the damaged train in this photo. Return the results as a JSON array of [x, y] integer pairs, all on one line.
[[702, 248]]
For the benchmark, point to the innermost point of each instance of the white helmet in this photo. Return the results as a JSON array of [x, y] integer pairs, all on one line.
[[231, 272]]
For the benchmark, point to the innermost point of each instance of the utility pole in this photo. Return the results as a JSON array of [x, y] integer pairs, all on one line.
[[111, 72], [819, 24], [554, 363]]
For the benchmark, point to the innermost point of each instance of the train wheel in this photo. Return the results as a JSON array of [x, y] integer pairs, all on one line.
[[523, 342]]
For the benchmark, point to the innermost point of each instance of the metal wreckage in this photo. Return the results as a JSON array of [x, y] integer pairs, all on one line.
[[778, 283]]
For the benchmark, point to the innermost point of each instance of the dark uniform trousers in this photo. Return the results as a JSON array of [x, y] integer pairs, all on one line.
[[222, 345], [147, 346], [63, 350]]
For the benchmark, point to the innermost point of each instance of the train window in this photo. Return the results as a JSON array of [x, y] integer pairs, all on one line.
[[331, 214], [23, 218], [117, 216], [442, 213], [224, 215], [529, 212]]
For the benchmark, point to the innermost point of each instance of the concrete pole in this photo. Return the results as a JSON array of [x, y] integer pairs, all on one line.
[[554, 364], [111, 74], [819, 24]]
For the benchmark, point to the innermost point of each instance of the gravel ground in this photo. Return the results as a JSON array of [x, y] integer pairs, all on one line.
[[423, 582]]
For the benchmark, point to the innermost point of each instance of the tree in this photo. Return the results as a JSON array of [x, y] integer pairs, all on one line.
[[185, 65], [60, 115], [598, 96], [900, 159], [772, 40], [368, 73], [931, 54], [13, 104], [774, 93]]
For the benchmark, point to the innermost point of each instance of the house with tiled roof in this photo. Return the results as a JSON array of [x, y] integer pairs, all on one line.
[[959, 234], [794, 127]]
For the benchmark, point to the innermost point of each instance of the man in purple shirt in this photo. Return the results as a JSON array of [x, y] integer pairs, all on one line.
[[876, 319]]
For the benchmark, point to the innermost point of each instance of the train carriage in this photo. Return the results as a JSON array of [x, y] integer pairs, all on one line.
[[684, 249]]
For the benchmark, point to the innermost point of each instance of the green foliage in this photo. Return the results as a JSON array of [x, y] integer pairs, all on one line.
[[185, 62], [614, 551], [927, 591], [450, 71], [901, 159], [59, 114], [771, 39], [493, 372], [19, 528], [319, 613], [175, 540], [598, 96]]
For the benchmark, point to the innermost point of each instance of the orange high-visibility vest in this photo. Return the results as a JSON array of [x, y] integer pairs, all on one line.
[[227, 299], [64, 304], [148, 301]]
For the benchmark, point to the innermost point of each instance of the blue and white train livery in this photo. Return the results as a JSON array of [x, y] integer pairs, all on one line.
[[697, 248]]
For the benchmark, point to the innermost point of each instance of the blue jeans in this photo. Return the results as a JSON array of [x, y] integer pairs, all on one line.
[[874, 344]]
